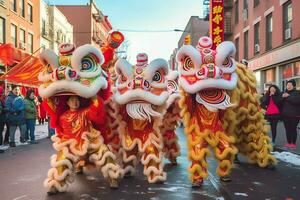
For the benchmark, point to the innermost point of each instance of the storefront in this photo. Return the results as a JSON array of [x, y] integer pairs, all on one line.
[[277, 66], [291, 71]]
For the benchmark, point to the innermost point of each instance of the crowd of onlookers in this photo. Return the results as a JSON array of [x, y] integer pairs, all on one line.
[[283, 106], [20, 112]]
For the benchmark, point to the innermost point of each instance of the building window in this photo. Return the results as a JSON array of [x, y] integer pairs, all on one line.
[[288, 71], [256, 2], [256, 38], [22, 38], [237, 46], [13, 34], [30, 17], [13, 5], [297, 69], [2, 30], [245, 10], [30, 42], [22, 7], [270, 75], [246, 45], [287, 21], [43, 27], [236, 11], [269, 31]]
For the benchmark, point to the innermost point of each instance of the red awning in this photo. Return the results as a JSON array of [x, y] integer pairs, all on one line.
[[25, 72]]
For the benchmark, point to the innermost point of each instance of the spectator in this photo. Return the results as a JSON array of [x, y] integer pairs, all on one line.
[[15, 107], [30, 115], [271, 102], [42, 113], [2, 114], [6, 138], [51, 131], [290, 112]]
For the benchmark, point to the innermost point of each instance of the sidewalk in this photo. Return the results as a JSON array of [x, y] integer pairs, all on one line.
[[41, 132], [281, 139]]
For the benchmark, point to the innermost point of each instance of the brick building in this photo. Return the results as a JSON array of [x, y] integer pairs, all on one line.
[[91, 26], [196, 27], [267, 34], [19, 24]]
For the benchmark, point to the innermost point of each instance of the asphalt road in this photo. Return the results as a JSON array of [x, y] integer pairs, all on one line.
[[24, 168]]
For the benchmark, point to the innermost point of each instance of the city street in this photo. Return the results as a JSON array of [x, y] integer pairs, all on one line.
[[90, 65], [23, 169]]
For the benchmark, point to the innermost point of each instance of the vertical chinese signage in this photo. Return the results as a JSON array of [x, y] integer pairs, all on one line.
[[216, 20]]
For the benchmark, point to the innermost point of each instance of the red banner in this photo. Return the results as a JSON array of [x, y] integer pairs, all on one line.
[[216, 20]]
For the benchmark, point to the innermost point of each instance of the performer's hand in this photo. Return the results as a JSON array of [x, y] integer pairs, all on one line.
[[285, 95], [95, 100]]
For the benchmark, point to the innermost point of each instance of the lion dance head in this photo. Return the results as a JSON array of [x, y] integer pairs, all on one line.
[[141, 87]]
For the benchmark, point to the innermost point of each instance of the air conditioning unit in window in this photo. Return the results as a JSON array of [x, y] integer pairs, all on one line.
[[245, 14], [256, 48], [22, 45], [287, 33]]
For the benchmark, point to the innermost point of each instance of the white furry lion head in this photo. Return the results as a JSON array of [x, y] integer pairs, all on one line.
[[75, 71], [141, 86]]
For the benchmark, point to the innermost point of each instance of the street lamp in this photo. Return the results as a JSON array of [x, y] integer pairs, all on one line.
[[178, 30]]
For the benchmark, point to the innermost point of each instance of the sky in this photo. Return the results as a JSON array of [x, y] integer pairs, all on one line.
[[147, 15]]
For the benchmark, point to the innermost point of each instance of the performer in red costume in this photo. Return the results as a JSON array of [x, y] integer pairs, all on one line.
[[75, 88]]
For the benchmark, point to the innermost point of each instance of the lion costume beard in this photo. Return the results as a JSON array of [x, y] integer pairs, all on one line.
[[141, 111]]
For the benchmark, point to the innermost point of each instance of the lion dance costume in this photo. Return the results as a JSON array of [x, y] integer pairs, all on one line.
[[220, 108], [78, 141], [141, 93], [171, 119]]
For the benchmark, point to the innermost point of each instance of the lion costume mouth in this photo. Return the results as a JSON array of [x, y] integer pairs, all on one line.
[[73, 87], [139, 95]]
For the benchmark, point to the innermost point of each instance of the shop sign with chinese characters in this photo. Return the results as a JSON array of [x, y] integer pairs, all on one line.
[[216, 22]]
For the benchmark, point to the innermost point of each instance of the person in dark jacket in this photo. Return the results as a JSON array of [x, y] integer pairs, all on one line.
[[15, 107], [30, 115], [2, 115], [271, 102], [290, 112]]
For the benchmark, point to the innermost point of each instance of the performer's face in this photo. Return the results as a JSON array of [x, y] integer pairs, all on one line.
[[16, 91], [289, 86], [73, 103]]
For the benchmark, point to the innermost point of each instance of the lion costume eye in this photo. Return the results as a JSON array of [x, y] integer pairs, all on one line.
[[49, 68], [158, 77], [227, 62], [88, 63], [188, 63], [122, 79], [172, 85]]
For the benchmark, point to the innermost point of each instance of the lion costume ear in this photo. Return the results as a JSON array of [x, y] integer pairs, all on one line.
[[158, 64], [124, 68], [84, 51], [48, 57], [224, 50]]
